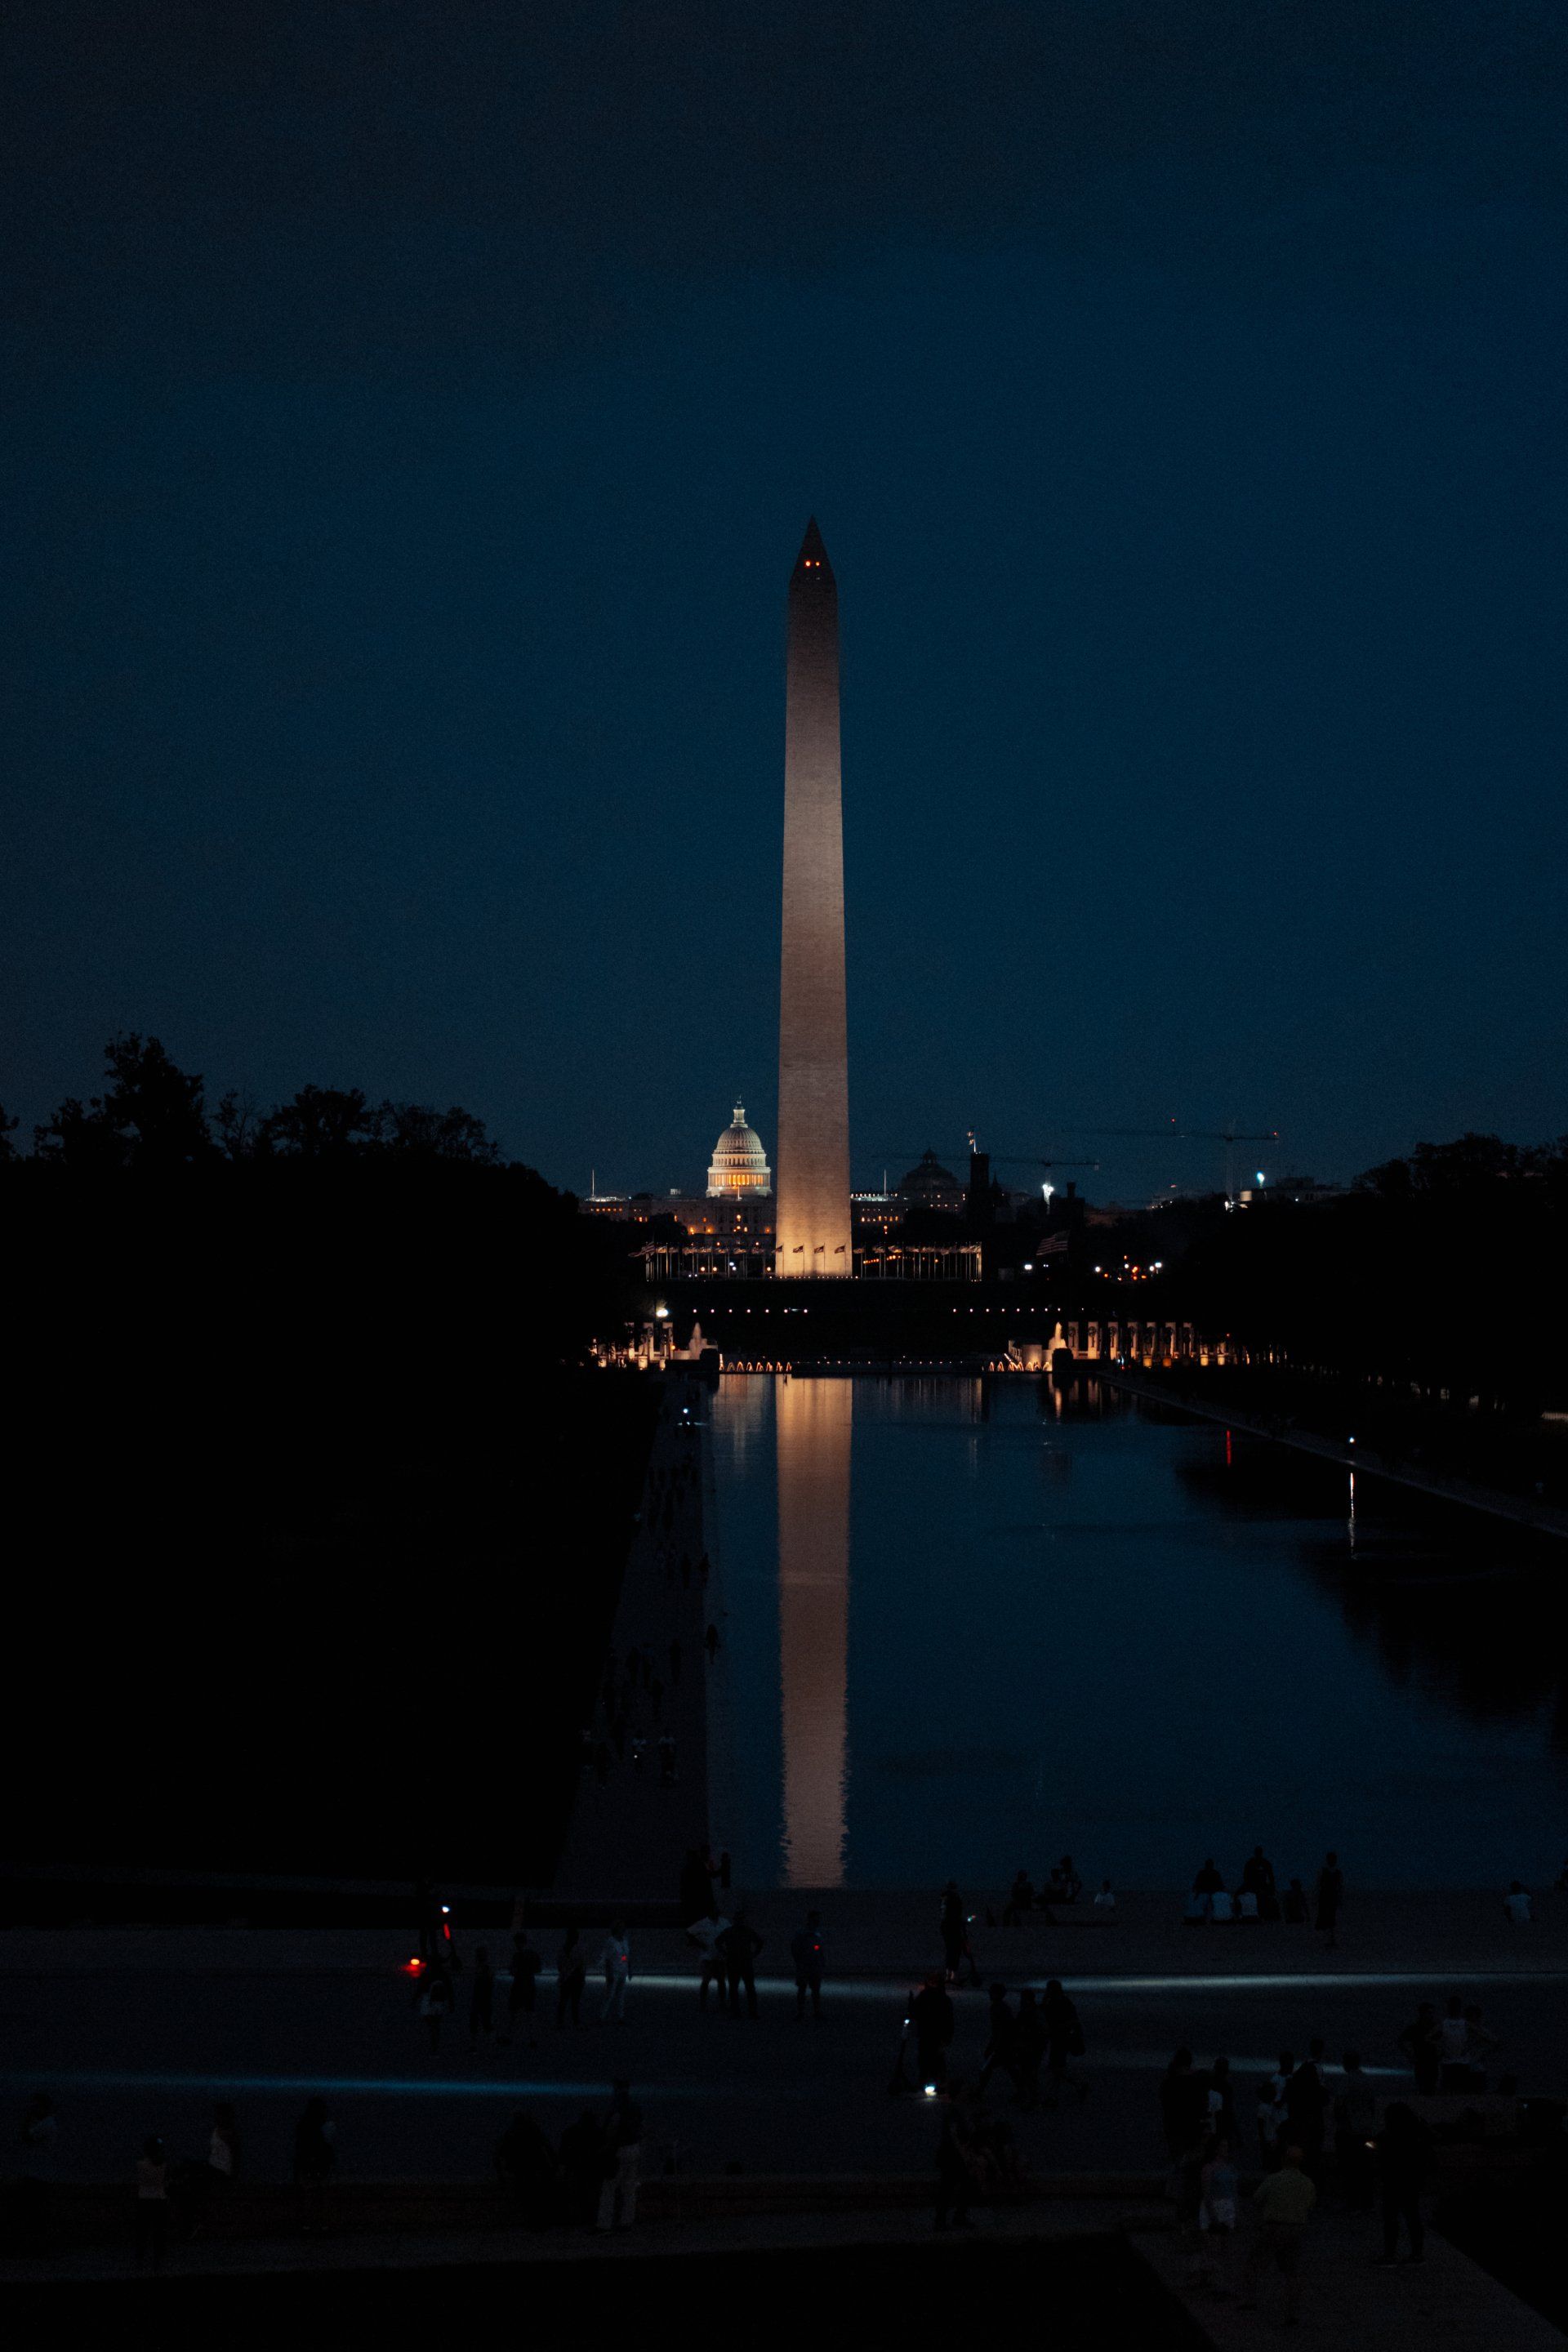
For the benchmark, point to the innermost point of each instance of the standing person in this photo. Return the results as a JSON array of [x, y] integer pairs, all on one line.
[[482, 1997], [696, 1886], [1452, 2040], [706, 1934], [1020, 1898], [931, 2016], [998, 2050], [1219, 2097], [223, 2147], [615, 1961], [1306, 2106], [152, 2202], [1028, 2048], [952, 1929], [1422, 2044], [1404, 2162], [1330, 1896], [710, 1643], [1478, 2047], [1063, 2041], [1284, 2201], [315, 2154], [1293, 1904], [434, 1999], [1207, 1884], [1258, 1878], [580, 2170], [570, 1974], [522, 1993], [620, 2145], [1355, 2125], [1271, 2113], [1182, 2101], [1217, 2188], [738, 1945], [806, 1951]]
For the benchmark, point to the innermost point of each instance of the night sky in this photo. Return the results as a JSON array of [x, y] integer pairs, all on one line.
[[411, 416]]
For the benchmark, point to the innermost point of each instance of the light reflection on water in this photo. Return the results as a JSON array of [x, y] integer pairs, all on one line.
[[974, 1625]]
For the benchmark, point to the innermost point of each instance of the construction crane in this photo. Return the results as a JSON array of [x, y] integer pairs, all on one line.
[[1229, 1136]]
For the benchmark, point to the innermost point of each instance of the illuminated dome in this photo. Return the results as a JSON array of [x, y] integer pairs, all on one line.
[[740, 1165]]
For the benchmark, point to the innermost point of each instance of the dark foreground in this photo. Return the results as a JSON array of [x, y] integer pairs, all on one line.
[[1093, 2289]]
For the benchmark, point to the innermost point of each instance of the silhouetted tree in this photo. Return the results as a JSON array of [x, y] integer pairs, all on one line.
[[151, 1118], [420, 1133], [7, 1127], [321, 1123]]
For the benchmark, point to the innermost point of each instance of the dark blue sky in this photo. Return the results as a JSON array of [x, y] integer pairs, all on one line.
[[411, 416]]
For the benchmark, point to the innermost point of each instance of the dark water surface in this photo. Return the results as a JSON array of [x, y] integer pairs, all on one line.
[[974, 1625]]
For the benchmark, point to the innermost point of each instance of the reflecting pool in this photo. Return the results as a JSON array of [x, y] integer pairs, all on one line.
[[973, 1625]]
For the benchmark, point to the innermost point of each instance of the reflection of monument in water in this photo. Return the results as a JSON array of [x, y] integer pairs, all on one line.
[[813, 1419]]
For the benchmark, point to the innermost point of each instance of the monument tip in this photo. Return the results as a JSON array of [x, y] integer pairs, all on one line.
[[813, 556]]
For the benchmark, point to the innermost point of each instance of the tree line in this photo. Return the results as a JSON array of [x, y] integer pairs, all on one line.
[[152, 1116]]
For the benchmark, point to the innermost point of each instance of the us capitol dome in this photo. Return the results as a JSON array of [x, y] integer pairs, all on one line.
[[739, 1168]]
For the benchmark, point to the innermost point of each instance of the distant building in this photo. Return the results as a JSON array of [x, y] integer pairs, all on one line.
[[931, 1186], [739, 1168]]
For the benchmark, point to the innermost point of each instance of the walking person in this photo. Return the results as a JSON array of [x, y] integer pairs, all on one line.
[[615, 1962], [620, 2160], [1403, 2164], [931, 2016], [571, 1975], [481, 1997], [1284, 2202], [523, 1990], [806, 1951], [153, 2202], [1064, 2041], [998, 2051], [1330, 1896], [738, 1947]]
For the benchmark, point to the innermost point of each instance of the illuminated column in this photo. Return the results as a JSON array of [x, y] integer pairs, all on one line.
[[813, 1235], [814, 1418]]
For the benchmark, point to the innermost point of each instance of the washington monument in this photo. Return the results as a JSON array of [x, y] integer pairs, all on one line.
[[814, 1067]]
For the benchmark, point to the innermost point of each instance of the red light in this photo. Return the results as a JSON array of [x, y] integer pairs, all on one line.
[[412, 1968]]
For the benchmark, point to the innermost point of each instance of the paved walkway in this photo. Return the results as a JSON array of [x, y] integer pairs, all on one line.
[[1446, 2304]]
